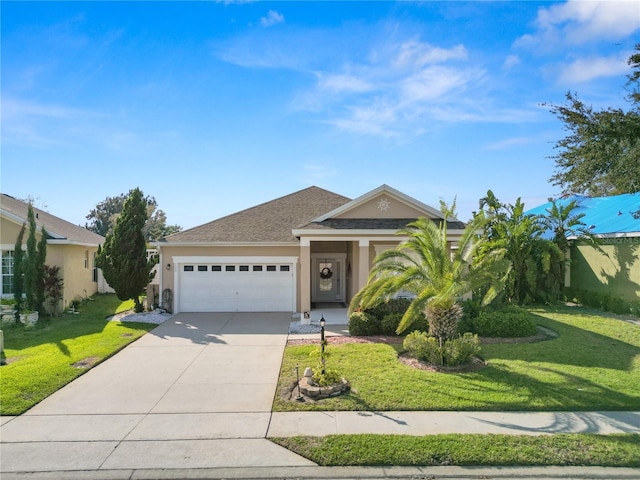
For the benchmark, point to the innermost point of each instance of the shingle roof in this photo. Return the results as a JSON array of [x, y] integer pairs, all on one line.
[[371, 224], [57, 228], [602, 215], [270, 222]]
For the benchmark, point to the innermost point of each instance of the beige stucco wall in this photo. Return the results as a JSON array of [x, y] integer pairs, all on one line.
[[370, 209], [78, 280], [9, 233]]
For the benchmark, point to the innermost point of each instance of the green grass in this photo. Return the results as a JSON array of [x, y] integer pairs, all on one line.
[[40, 359], [593, 364], [478, 450]]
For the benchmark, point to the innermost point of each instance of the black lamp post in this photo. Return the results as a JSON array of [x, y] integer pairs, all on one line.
[[322, 342]]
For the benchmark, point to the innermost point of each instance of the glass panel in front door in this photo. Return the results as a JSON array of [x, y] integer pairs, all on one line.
[[325, 269]]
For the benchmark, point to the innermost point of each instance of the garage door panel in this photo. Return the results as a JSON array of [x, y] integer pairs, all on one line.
[[229, 291]]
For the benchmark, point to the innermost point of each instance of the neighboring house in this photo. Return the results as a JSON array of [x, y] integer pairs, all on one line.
[[310, 247], [615, 220], [70, 247]]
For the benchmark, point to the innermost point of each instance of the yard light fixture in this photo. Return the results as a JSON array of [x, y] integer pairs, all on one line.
[[322, 342]]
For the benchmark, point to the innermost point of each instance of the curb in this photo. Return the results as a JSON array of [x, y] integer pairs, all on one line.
[[344, 473]]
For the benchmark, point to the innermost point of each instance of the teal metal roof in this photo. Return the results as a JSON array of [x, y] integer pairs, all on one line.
[[603, 215]]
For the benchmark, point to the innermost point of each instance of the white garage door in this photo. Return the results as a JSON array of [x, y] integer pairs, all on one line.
[[236, 286]]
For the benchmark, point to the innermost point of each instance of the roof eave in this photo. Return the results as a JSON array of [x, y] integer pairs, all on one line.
[[223, 244]]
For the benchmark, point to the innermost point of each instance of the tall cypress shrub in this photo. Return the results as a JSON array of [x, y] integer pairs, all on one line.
[[41, 257], [123, 259], [30, 278], [33, 265]]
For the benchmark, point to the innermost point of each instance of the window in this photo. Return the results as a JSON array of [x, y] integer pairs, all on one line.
[[202, 268], [257, 268], [271, 268], [94, 269], [230, 268], [86, 259], [216, 268], [7, 272], [284, 268], [244, 268], [188, 268]]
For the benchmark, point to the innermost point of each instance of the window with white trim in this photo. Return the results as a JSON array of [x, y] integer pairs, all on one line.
[[7, 272]]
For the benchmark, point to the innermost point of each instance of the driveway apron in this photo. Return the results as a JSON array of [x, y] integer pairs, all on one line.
[[195, 392]]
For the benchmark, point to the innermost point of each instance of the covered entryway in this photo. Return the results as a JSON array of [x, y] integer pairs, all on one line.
[[235, 284]]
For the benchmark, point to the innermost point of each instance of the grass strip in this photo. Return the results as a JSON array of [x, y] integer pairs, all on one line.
[[620, 450], [44, 358]]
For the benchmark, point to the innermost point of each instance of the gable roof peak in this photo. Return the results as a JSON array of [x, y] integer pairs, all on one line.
[[384, 188]]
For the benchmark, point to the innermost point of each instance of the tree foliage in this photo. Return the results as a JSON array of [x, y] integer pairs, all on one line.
[[601, 153], [123, 260], [530, 256], [103, 218]]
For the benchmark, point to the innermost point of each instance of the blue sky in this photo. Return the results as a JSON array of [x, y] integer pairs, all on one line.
[[213, 107]]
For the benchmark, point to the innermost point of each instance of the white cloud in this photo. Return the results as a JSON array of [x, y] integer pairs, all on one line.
[[272, 18], [511, 61], [343, 83], [578, 22], [586, 69], [417, 54]]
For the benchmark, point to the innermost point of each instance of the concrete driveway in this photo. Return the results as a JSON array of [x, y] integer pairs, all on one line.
[[196, 392]]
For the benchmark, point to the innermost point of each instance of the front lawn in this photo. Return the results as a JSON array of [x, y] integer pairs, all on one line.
[[42, 359], [593, 364]]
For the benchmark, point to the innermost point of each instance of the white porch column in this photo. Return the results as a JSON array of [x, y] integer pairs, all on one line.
[[305, 280], [363, 263]]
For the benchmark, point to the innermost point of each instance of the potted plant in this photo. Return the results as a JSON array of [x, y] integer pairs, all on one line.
[[8, 305]]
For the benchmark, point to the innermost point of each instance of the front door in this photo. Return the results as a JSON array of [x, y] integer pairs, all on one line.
[[328, 280]]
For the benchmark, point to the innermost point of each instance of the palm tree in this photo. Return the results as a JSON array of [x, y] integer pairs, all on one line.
[[437, 275], [520, 237]]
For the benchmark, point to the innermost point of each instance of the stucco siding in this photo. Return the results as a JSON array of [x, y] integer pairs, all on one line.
[[78, 280], [617, 271], [9, 233], [371, 209]]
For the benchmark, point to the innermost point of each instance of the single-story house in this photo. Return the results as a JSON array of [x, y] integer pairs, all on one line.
[[615, 220], [69, 246], [289, 254]]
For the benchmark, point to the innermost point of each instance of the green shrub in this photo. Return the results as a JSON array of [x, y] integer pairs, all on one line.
[[458, 351], [390, 323], [363, 323], [604, 301], [394, 305], [423, 347], [506, 322], [326, 379]]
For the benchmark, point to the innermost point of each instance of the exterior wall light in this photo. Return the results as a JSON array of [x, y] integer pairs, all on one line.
[[168, 266]]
